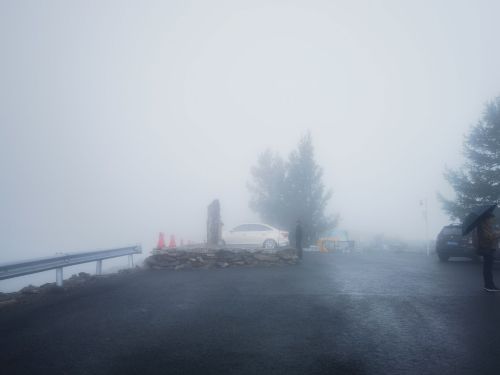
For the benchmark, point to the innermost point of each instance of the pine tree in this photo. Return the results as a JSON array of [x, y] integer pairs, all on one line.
[[478, 181], [283, 193], [267, 188]]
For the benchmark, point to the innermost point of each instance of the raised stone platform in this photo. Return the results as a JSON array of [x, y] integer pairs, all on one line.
[[205, 258]]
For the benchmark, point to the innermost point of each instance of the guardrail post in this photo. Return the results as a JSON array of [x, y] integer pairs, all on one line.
[[59, 276], [130, 261], [98, 267]]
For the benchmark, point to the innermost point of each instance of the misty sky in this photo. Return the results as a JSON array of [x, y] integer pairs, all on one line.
[[122, 119]]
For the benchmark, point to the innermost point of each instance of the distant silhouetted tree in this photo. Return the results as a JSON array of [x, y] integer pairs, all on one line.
[[268, 188], [282, 192], [478, 181]]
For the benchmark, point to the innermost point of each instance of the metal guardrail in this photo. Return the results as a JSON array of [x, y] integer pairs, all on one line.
[[57, 262]]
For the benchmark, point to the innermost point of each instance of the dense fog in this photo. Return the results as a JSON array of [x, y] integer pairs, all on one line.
[[119, 120]]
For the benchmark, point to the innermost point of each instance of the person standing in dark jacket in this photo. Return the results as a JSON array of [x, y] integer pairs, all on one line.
[[298, 238], [487, 239]]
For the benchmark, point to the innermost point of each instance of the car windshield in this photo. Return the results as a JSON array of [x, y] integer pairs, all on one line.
[[448, 231], [259, 227]]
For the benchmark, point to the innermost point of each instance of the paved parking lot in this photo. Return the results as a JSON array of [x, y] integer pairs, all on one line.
[[332, 314]]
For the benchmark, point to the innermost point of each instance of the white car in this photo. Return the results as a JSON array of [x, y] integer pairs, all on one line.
[[259, 235]]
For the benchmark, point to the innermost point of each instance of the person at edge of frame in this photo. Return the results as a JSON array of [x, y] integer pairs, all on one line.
[[487, 239]]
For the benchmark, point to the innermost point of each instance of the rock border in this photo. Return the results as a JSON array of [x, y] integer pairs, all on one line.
[[207, 258]]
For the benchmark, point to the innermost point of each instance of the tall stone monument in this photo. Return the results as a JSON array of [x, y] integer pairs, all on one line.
[[214, 224]]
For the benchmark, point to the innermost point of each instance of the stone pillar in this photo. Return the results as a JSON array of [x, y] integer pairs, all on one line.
[[214, 224]]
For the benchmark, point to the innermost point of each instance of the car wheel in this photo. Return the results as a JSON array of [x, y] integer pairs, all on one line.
[[269, 244], [443, 258]]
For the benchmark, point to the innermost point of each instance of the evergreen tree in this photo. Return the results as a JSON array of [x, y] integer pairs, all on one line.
[[267, 188], [478, 181], [282, 192]]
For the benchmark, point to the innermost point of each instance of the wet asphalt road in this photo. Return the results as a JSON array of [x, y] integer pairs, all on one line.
[[333, 314]]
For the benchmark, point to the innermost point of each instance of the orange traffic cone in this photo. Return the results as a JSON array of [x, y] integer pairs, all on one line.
[[172, 244], [161, 241]]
